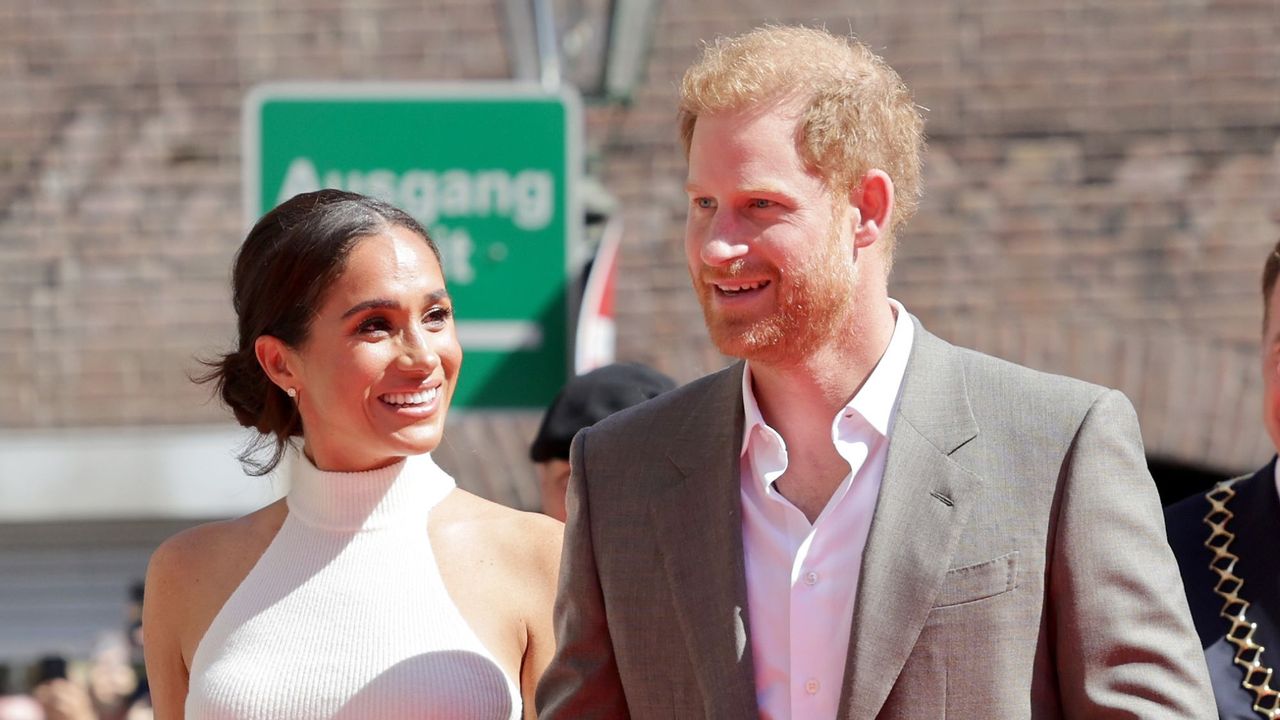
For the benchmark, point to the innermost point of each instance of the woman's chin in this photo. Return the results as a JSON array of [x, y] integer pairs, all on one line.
[[415, 440]]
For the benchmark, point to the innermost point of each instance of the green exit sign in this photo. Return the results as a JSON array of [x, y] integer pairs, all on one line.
[[490, 170]]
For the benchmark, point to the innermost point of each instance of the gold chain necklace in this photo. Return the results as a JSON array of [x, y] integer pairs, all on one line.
[[1257, 677]]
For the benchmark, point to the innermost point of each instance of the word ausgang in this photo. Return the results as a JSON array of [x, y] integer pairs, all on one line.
[[527, 198]]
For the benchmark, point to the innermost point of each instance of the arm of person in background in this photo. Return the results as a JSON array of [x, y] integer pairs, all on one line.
[[582, 681], [1125, 643], [62, 699]]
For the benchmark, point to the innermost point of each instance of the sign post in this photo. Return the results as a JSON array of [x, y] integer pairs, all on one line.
[[490, 170]]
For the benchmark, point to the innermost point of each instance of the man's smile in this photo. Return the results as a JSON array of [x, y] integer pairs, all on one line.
[[737, 288]]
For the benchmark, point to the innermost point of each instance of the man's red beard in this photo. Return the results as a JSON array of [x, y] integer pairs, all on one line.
[[812, 303]]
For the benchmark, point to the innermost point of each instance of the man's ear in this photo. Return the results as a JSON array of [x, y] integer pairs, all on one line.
[[872, 198], [278, 361]]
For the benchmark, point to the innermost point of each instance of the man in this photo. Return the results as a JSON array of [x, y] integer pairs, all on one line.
[[860, 520], [1226, 543], [584, 401]]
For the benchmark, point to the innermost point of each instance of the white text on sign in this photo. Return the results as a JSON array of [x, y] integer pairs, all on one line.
[[526, 197]]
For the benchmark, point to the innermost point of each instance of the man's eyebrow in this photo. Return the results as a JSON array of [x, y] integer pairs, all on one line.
[[764, 189], [385, 304], [753, 189]]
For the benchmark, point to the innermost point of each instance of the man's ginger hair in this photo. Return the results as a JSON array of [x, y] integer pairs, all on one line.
[[857, 113]]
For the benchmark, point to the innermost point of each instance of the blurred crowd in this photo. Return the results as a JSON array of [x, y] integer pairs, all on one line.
[[110, 685]]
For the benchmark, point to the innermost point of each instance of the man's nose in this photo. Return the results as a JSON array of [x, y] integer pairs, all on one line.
[[725, 242]]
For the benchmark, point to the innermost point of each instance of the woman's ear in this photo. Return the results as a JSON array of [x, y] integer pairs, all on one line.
[[279, 362]]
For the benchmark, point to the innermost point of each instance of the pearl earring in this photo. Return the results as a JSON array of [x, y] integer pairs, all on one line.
[[293, 392]]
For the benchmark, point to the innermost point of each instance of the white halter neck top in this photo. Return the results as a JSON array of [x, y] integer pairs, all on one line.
[[346, 616]]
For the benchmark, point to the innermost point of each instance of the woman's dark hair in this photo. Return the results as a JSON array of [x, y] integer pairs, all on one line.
[[282, 270]]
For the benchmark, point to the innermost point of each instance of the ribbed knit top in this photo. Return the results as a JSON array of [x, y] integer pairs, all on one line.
[[346, 616]]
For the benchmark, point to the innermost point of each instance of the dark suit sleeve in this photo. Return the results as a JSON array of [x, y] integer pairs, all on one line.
[[582, 680], [1124, 641]]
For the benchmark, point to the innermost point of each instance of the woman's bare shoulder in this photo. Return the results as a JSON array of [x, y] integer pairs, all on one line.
[[525, 542], [210, 546], [193, 573]]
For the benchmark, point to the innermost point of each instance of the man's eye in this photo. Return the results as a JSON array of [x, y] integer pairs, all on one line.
[[704, 203], [761, 203]]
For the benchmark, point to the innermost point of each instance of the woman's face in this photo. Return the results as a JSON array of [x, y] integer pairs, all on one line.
[[379, 365]]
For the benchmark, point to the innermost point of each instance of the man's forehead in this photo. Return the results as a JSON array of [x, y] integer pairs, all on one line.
[[751, 145]]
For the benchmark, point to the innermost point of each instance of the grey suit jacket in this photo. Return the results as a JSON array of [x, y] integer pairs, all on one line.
[[1016, 565]]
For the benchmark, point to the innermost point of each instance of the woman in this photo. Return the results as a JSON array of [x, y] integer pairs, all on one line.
[[375, 589]]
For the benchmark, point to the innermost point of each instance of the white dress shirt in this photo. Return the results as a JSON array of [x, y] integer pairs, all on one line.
[[802, 578]]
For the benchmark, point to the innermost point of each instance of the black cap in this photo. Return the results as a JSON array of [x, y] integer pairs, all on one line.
[[590, 398]]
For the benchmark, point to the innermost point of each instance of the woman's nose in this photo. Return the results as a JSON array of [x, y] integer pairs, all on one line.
[[416, 351]]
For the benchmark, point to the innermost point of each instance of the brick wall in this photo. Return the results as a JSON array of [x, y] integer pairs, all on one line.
[[1102, 185]]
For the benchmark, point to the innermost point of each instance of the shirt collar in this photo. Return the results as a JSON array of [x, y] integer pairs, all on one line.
[[875, 401]]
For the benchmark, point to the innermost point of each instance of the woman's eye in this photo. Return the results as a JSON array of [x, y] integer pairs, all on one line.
[[373, 325], [437, 317]]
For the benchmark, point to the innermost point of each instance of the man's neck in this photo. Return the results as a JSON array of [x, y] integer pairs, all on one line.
[[800, 400], [823, 381]]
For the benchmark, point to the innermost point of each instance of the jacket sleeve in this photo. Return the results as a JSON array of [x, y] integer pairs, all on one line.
[[582, 681], [1124, 641]]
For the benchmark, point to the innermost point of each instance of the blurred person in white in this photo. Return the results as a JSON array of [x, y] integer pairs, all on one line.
[[20, 707], [15, 705], [376, 588]]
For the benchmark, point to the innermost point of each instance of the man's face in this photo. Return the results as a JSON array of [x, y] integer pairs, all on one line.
[[770, 250], [1271, 369]]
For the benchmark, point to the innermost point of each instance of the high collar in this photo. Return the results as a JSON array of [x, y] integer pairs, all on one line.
[[398, 495]]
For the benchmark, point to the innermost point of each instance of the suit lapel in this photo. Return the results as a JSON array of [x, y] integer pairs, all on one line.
[[698, 522], [925, 499]]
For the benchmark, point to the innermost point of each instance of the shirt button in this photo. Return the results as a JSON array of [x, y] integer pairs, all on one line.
[[812, 687], [811, 578]]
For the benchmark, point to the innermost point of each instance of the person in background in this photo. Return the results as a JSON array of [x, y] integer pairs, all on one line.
[[1226, 543], [376, 588], [138, 703], [15, 705], [20, 707], [60, 696], [115, 685], [859, 519], [584, 401]]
